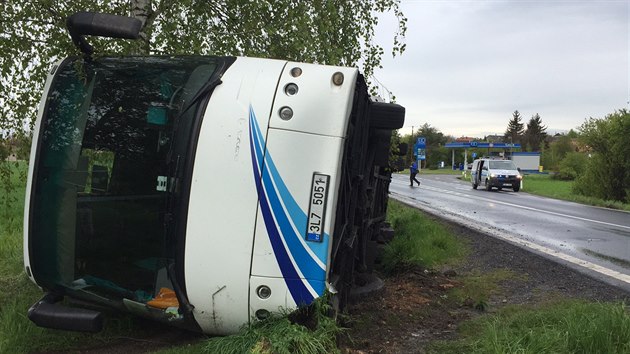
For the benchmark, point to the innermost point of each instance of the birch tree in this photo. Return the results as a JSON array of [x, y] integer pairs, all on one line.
[[336, 32], [33, 35]]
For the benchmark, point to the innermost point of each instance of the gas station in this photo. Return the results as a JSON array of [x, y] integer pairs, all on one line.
[[477, 145]]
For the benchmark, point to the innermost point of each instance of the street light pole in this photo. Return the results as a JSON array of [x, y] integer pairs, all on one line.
[[411, 144]]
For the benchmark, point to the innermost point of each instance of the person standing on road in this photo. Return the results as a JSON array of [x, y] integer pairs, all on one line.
[[413, 171]]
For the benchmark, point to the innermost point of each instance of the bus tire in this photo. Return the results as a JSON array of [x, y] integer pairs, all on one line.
[[386, 115]]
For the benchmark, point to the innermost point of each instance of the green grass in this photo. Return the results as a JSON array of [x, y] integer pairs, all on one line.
[[563, 327], [275, 335], [12, 194], [17, 293], [278, 335], [185, 349], [544, 185], [554, 327], [419, 241], [477, 288]]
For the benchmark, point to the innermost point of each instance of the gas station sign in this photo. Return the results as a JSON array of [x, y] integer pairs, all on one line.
[[420, 149]]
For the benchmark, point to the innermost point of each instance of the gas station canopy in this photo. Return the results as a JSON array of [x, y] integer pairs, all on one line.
[[476, 144]]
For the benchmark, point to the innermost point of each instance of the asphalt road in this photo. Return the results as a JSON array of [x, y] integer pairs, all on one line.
[[590, 239]]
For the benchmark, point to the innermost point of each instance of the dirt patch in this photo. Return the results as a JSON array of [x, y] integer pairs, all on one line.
[[418, 307]]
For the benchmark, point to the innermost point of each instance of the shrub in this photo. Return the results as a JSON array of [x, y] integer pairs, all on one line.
[[608, 173], [572, 166], [592, 183]]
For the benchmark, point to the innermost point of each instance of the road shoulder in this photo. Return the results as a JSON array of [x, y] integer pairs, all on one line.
[[417, 308]]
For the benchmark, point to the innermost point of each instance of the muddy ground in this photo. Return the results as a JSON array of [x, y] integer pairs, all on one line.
[[417, 307]]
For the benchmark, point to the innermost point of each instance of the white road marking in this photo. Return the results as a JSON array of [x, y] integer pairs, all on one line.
[[527, 208], [513, 239]]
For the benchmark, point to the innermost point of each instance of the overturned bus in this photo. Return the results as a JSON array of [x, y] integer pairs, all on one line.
[[197, 190]]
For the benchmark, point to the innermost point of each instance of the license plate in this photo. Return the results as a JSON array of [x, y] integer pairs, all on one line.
[[317, 207]]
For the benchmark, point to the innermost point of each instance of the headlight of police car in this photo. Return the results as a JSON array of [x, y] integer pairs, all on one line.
[[492, 175], [519, 176]]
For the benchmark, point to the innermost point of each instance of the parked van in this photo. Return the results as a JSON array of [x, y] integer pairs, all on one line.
[[200, 191], [495, 173]]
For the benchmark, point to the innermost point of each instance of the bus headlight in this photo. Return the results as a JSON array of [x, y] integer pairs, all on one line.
[[295, 72], [286, 113], [291, 89], [337, 78], [262, 314], [263, 292]]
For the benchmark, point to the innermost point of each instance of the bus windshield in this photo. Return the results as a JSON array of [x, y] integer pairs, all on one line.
[[112, 138]]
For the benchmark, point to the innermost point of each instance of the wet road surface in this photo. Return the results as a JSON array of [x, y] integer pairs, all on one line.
[[597, 240]]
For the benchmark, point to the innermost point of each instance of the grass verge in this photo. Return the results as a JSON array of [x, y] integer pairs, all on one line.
[[564, 327], [548, 187], [17, 333], [475, 289], [12, 185], [419, 241], [278, 335]]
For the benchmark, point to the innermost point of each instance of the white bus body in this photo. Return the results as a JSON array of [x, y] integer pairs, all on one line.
[[243, 186]]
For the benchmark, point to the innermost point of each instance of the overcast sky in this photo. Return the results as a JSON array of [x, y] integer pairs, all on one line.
[[469, 64]]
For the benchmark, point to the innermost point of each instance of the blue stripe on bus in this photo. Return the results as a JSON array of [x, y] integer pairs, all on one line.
[[297, 214], [310, 269], [299, 292], [320, 249], [270, 207]]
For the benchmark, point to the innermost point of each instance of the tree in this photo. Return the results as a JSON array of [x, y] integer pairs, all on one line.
[[535, 133], [515, 130], [557, 151], [435, 139], [607, 175], [394, 150], [33, 35], [572, 134]]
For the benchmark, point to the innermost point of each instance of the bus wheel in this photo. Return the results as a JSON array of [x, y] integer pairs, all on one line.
[[386, 115]]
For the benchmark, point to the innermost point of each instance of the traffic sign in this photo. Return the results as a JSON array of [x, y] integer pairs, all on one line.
[[421, 154], [420, 148]]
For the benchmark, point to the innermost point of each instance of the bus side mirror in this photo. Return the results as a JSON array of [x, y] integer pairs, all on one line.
[[102, 25]]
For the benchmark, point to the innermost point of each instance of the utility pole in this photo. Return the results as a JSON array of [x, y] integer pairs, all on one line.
[[411, 144]]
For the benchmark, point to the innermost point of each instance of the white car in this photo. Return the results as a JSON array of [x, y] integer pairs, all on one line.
[[494, 173]]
